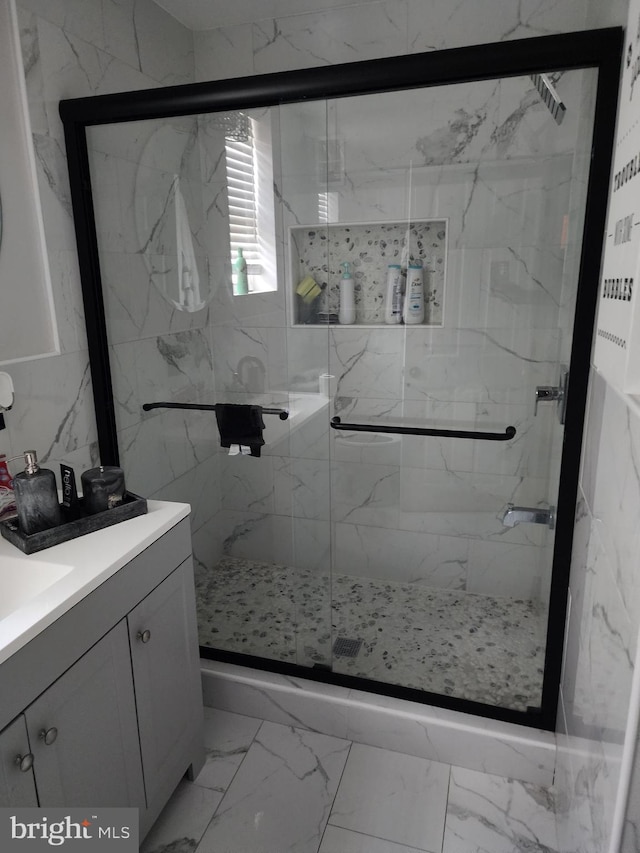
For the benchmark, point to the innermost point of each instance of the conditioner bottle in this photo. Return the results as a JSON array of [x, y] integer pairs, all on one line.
[[393, 296], [347, 313], [414, 296]]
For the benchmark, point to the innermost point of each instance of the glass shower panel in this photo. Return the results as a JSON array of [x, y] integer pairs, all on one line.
[[417, 560], [151, 210], [439, 583], [174, 200]]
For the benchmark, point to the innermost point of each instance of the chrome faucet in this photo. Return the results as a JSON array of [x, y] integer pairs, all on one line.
[[531, 514]]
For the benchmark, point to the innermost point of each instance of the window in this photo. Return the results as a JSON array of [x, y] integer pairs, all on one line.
[[250, 197], [327, 207], [241, 190]]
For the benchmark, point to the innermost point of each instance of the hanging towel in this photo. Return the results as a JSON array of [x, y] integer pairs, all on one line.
[[240, 425], [188, 277]]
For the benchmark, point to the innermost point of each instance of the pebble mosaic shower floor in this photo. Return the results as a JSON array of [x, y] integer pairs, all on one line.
[[454, 643]]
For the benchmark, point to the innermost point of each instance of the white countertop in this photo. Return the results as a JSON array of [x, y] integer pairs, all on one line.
[[29, 599]]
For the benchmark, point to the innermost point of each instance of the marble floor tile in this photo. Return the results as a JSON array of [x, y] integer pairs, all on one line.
[[281, 783], [280, 798], [392, 796], [183, 820], [336, 840], [227, 738], [488, 814]]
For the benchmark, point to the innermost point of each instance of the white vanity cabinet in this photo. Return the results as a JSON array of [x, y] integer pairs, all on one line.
[[17, 785], [168, 691], [107, 699], [83, 731]]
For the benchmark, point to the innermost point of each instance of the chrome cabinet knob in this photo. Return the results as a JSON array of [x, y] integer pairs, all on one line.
[[48, 735], [145, 636], [24, 762]]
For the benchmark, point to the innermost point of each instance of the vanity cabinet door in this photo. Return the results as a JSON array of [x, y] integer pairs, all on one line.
[[17, 785], [166, 673], [83, 731]]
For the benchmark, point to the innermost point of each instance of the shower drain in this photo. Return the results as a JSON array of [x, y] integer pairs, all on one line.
[[345, 647]]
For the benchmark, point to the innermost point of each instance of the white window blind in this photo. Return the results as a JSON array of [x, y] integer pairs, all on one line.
[[327, 207], [240, 153]]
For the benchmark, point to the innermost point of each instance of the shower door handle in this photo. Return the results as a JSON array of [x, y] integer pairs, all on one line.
[[507, 435]]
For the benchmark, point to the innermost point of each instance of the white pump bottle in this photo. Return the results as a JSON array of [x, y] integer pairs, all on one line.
[[347, 313]]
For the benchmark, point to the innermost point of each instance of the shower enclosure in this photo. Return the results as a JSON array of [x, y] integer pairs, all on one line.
[[406, 526]]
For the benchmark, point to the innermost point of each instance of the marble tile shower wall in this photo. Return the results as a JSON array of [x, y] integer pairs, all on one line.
[[435, 503], [74, 49], [81, 47]]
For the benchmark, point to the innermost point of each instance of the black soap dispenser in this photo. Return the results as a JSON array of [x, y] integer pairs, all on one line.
[[36, 497]]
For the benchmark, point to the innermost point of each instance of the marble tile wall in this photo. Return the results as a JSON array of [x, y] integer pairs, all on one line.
[[158, 352], [372, 30], [80, 47], [76, 49], [597, 736], [602, 629], [72, 49]]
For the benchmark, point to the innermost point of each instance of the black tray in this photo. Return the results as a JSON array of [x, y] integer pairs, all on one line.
[[76, 524]]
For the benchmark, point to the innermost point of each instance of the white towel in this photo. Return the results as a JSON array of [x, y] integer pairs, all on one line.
[[235, 449], [188, 276]]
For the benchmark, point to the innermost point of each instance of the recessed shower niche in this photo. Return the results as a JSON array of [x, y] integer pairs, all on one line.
[[404, 509], [319, 251]]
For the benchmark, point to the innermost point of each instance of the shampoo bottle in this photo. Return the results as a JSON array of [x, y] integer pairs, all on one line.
[[414, 295], [36, 497], [347, 313], [393, 297], [242, 282]]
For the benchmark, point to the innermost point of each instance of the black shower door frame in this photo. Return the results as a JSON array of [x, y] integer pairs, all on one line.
[[598, 49]]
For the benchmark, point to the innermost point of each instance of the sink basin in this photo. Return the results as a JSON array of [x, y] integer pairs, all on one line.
[[21, 580]]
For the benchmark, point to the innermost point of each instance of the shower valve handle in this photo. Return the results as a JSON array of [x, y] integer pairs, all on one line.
[[545, 393]]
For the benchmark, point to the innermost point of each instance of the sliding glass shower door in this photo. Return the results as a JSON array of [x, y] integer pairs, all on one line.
[[398, 526], [441, 544]]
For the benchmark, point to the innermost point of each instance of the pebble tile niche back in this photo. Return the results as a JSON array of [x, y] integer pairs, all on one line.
[[319, 251]]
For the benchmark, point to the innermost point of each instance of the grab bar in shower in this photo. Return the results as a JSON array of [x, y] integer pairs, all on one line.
[[282, 413], [510, 431]]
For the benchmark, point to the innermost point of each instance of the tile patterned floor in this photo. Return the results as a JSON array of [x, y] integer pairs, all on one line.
[[268, 788], [450, 642]]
